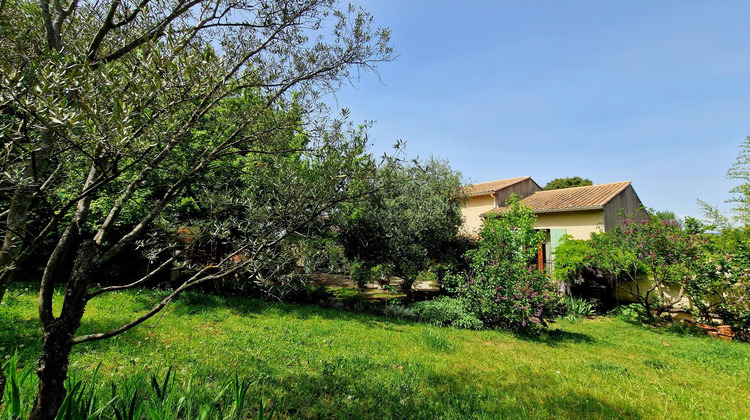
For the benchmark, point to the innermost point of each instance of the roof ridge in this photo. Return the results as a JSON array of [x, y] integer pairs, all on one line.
[[483, 188], [520, 178], [583, 186], [576, 198]]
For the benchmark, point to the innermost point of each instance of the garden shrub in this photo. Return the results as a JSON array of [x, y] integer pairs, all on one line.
[[447, 311], [720, 285], [502, 289], [572, 259], [634, 313], [362, 274], [669, 255]]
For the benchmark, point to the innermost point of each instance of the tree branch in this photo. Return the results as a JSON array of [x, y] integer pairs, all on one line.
[[146, 278], [107, 26], [132, 15], [56, 259], [155, 32], [48, 28], [196, 279]]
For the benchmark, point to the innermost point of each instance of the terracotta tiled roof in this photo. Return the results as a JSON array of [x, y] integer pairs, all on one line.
[[492, 186], [578, 198]]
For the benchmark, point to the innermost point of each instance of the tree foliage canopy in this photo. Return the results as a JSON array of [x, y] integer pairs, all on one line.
[[560, 183], [123, 119], [413, 216], [740, 171]]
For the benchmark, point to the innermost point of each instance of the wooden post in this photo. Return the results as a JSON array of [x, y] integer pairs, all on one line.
[[540, 257]]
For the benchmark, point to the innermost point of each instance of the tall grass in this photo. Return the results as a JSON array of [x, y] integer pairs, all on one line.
[[153, 398], [18, 393]]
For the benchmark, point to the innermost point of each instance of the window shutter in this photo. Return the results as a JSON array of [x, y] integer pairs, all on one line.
[[554, 238]]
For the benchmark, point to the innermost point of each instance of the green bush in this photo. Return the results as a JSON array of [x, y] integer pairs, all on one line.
[[572, 259], [635, 313], [362, 274], [447, 311], [502, 289], [409, 217]]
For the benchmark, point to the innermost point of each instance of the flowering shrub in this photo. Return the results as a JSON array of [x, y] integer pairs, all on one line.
[[659, 263], [502, 288], [720, 285], [662, 249]]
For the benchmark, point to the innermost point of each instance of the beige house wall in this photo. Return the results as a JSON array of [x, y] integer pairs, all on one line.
[[472, 208], [671, 292], [579, 224]]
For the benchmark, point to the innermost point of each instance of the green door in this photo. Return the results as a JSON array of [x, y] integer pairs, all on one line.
[[554, 241]]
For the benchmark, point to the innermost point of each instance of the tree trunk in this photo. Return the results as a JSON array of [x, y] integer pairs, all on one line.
[[20, 204], [52, 372], [6, 276], [57, 343], [407, 288], [13, 237]]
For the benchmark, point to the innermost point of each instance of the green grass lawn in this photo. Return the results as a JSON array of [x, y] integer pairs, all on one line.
[[305, 362]]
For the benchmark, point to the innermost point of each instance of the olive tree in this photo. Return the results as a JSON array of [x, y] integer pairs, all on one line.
[[103, 110], [412, 216]]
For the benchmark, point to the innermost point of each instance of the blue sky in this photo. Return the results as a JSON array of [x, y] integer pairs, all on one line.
[[656, 92]]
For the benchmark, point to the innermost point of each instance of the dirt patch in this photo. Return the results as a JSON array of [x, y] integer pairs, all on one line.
[[345, 280]]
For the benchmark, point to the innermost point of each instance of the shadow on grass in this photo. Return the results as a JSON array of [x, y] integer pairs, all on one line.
[[556, 337], [195, 303], [358, 387], [18, 332]]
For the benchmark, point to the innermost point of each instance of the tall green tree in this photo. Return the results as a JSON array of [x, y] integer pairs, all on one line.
[[560, 183], [412, 217], [106, 112]]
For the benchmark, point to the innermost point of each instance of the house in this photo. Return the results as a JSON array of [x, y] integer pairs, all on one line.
[[481, 198], [577, 211]]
